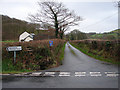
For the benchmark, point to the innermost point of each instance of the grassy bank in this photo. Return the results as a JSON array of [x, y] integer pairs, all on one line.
[[71, 51], [11, 41], [101, 54], [36, 55], [62, 54]]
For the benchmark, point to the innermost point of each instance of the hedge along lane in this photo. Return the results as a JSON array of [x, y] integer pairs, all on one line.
[[103, 50], [36, 55]]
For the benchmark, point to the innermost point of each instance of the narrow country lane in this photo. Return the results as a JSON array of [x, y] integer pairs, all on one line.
[[73, 65]]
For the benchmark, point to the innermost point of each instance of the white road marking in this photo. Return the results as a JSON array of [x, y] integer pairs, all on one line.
[[60, 74], [111, 74], [49, 74], [95, 74], [36, 74], [79, 74], [17, 74], [64, 74]]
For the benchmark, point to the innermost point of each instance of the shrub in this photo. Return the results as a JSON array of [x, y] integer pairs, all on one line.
[[94, 45], [107, 45], [35, 55], [108, 49]]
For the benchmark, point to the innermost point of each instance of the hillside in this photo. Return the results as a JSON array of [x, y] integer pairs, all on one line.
[[115, 34], [12, 28], [78, 35], [116, 31]]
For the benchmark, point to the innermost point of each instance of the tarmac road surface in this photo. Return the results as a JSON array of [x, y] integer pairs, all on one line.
[[78, 71]]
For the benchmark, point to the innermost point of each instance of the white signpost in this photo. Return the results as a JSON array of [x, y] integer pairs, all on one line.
[[14, 48]]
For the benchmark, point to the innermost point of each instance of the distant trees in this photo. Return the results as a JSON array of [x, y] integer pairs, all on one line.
[[12, 28], [56, 15], [76, 35]]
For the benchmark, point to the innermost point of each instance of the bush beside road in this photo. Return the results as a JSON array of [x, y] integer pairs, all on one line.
[[35, 55], [104, 50]]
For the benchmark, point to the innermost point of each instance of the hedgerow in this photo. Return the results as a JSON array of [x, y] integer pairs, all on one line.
[[35, 55], [109, 49]]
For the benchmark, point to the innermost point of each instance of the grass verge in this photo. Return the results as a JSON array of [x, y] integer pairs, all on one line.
[[62, 54], [9, 68], [71, 51], [9, 41], [85, 51], [17, 72]]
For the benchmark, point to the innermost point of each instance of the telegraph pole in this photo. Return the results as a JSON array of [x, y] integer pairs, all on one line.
[[118, 19]]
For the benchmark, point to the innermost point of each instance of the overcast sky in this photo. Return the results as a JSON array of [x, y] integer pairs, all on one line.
[[101, 16]]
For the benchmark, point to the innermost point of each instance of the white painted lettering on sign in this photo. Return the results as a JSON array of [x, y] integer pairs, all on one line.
[[14, 48]]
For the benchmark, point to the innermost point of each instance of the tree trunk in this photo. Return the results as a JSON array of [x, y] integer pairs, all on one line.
[[56, 33], [61, 35], [56, 26]]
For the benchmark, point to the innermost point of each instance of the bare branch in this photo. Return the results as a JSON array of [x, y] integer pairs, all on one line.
[[57, 15]]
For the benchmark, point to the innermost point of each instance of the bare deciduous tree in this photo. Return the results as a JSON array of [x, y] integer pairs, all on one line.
[[118, 4], [56, 15]]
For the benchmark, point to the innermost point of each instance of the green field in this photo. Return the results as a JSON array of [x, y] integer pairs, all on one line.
[[9, 41], [108, 35]]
